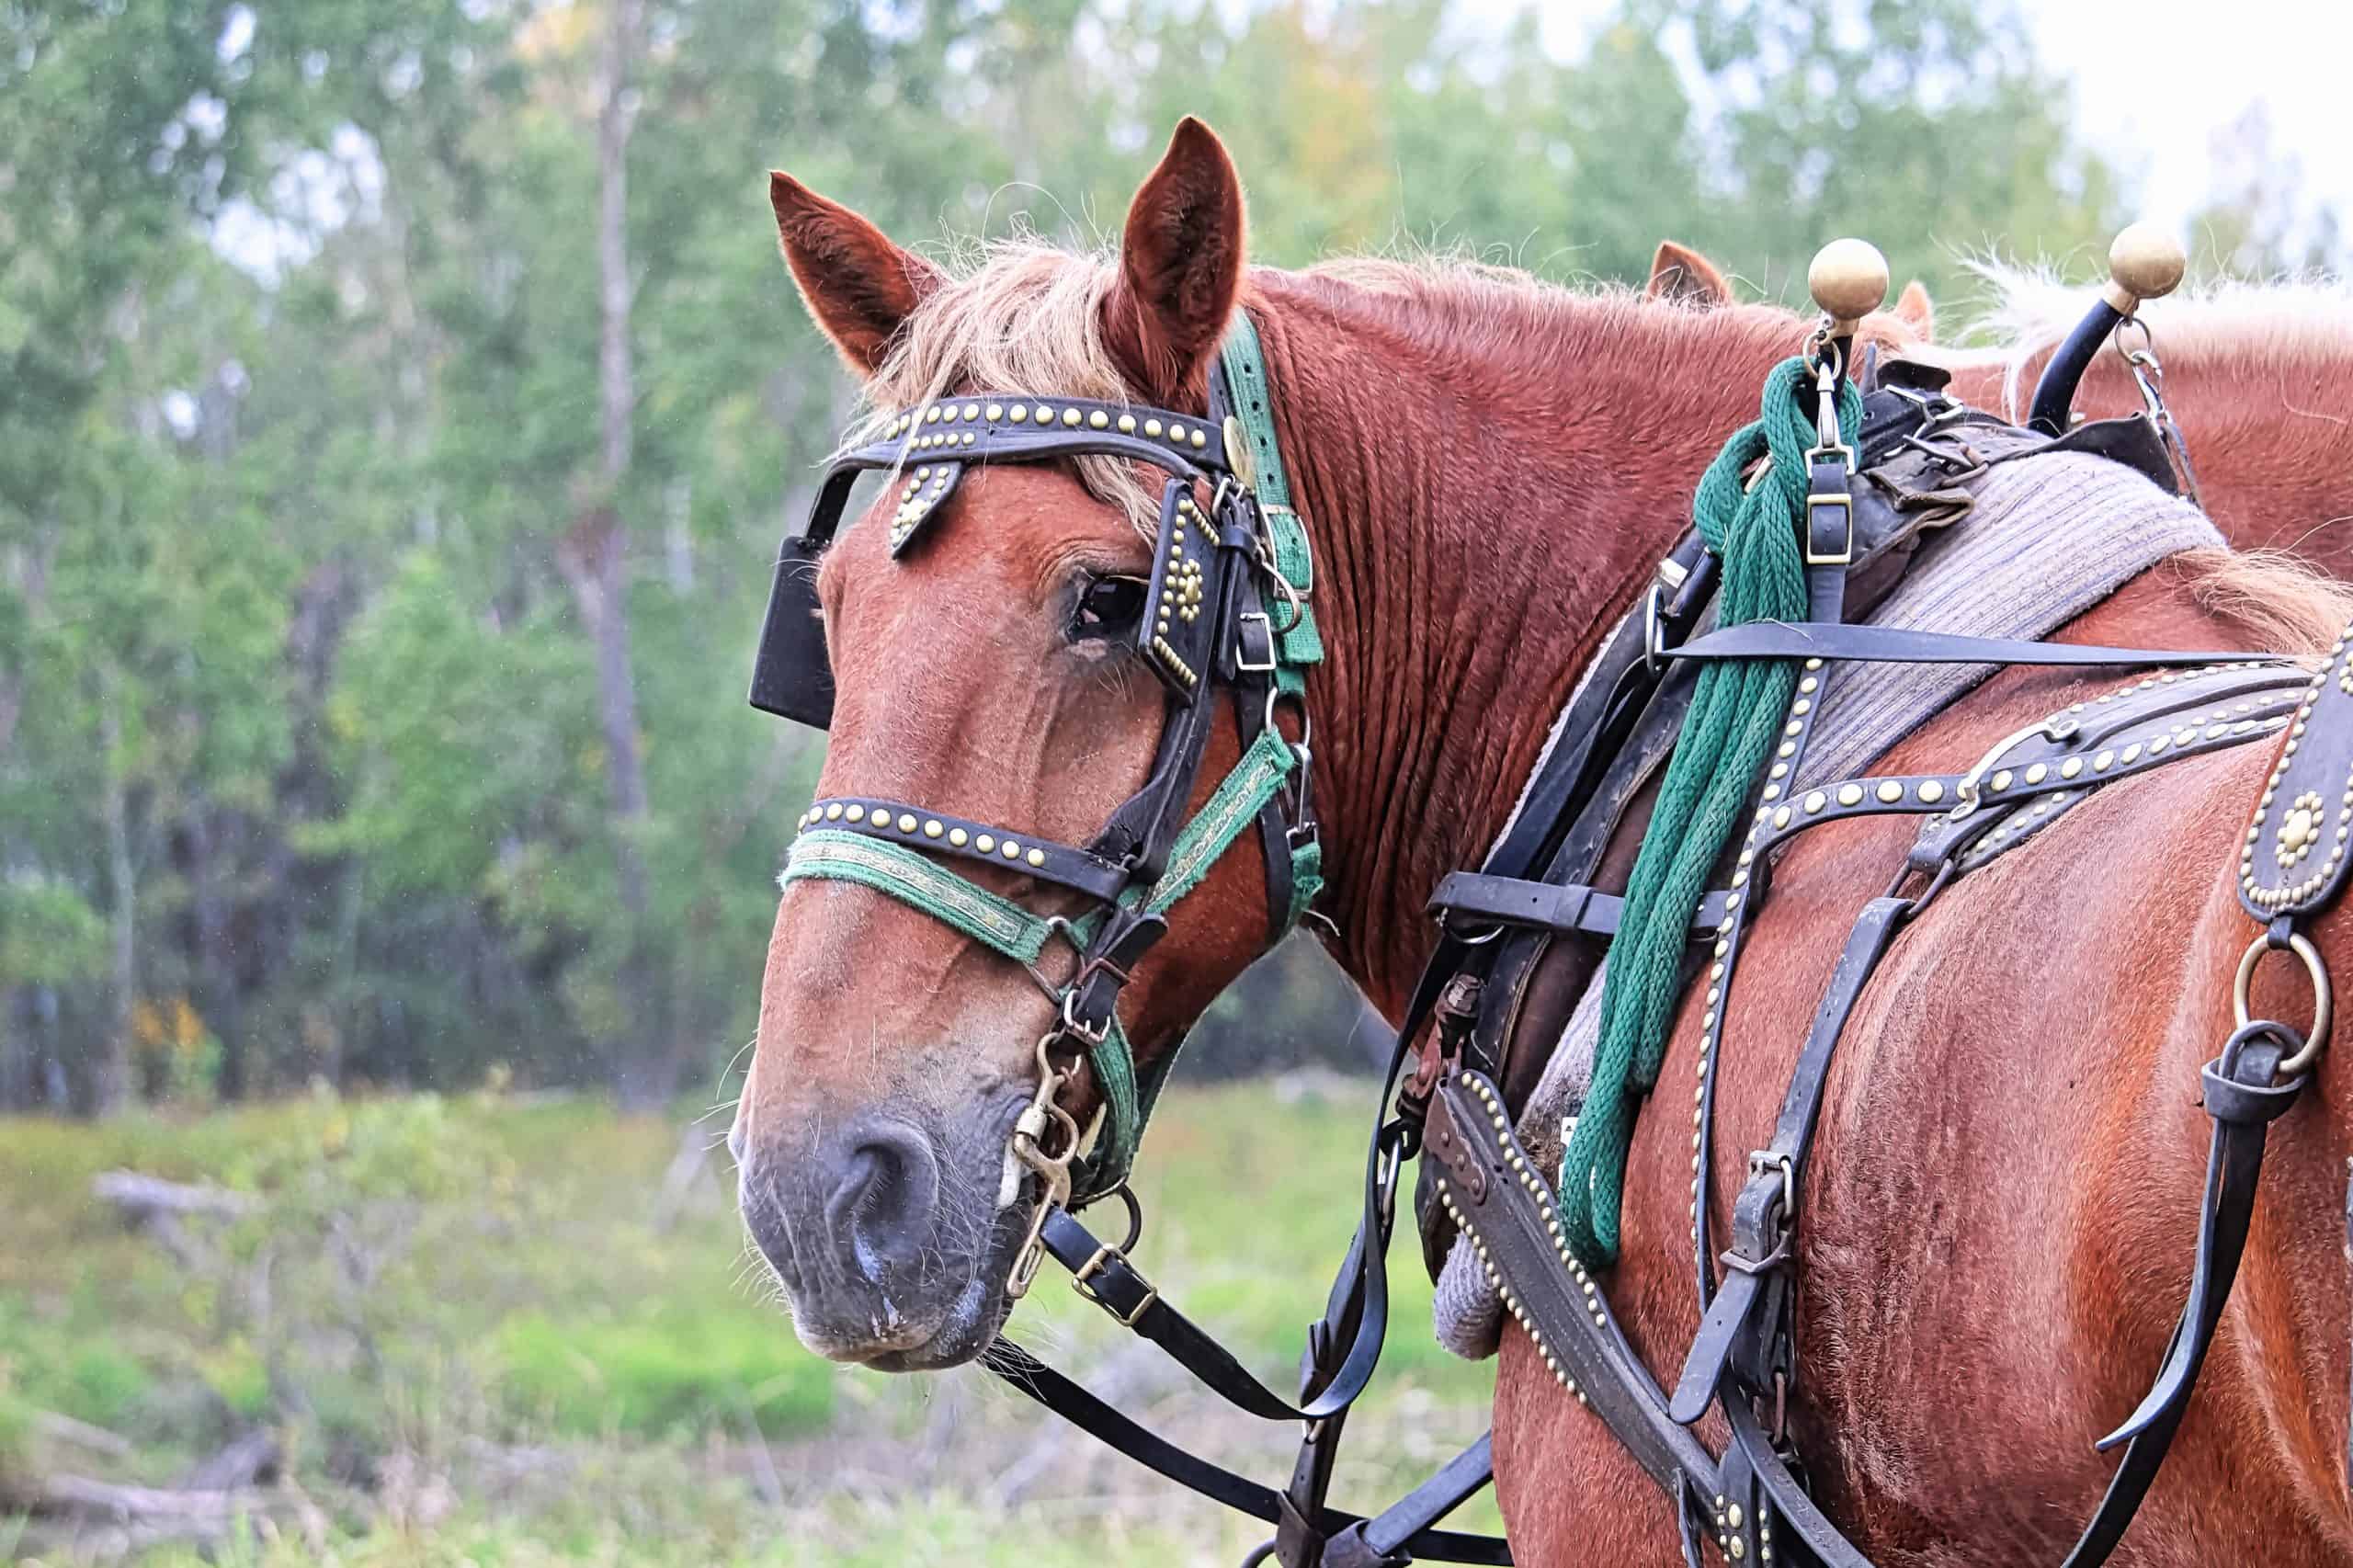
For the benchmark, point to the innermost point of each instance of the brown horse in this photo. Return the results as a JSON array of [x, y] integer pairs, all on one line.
[[1999, 1212], [2259, 376]]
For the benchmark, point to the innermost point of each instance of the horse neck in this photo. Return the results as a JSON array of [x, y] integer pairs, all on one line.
[[2271, 433], [2270, 427], [1487, 489]]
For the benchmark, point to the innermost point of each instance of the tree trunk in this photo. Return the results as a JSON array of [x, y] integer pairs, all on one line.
[[214, 850], [110, 1077], [597, 562]]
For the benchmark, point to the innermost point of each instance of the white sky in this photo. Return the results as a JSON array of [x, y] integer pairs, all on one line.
[[2154, 80]]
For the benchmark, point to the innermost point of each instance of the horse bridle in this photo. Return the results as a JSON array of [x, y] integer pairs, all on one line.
[[1224, 609], [1227, 608]]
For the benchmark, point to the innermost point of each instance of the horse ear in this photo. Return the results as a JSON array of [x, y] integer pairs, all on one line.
[[1680, 272], [858, 285], [1180, 265], [1914, 310]]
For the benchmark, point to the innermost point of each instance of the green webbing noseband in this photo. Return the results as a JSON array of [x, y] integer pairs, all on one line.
[[1227, 606]]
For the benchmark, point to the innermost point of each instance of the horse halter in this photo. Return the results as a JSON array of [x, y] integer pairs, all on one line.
[[1225, 607]]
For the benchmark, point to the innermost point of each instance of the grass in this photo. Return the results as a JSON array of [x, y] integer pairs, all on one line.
[[479, 1348]]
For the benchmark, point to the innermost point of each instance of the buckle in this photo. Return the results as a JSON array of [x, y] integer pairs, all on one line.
[[1762, 1161], [1242, 662], [1095, 1265], [1075, 1028], [1844, 554]]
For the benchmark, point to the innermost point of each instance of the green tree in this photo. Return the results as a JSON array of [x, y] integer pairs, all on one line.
[[1924, 126]]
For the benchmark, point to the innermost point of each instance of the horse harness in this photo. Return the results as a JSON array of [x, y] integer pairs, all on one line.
[[1228, 605], [1750, 1502]]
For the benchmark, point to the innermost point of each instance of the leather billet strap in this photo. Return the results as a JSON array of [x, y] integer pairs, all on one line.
[[1758, 1265], [1461, 1477]]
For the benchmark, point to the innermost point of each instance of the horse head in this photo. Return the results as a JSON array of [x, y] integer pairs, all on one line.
[[987, 684]]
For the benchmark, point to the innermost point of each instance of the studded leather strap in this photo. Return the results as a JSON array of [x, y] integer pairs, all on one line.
[[2294, 858]]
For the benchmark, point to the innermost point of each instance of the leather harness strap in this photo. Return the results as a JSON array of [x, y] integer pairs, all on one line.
[[1746, 1349], [1894, 644], [1399, 1534]]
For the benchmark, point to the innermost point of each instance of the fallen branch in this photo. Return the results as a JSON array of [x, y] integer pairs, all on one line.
[[56, 1495], [247, 1459], [82, 1540], [144, 1198], [65, 1429]]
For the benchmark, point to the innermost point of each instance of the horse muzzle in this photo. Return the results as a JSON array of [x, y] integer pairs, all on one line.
[[887, 1232]]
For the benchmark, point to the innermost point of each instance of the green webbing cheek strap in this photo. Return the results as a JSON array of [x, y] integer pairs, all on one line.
[[1298, 644]]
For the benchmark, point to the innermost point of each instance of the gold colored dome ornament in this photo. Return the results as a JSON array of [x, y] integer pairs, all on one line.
[[2146, 262], [1849, 281]]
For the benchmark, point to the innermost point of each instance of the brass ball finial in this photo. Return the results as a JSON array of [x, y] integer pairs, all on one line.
[[2146, 262], [1849, 281]]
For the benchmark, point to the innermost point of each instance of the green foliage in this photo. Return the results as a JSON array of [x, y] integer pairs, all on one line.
[[576, 1386], [49, 933], [1925, 125], [659, 1373], [300, 433]]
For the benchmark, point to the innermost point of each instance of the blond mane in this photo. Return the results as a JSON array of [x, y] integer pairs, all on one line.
[[1022, 314]]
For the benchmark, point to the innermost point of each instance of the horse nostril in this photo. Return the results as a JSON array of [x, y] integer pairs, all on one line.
[[882, 1201]]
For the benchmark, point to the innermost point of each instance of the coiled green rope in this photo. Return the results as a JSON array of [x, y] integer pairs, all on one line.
[[1735, 716]]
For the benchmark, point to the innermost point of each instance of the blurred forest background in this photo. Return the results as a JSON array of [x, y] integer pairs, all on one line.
[[399, 406]]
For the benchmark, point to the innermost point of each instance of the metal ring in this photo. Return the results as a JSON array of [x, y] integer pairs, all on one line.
[[1135, 1215], [1277, 696], [1822, 352], [2299, 945], [2148, 339]]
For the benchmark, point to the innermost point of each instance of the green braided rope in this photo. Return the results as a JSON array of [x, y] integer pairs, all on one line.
[[1735, 716]]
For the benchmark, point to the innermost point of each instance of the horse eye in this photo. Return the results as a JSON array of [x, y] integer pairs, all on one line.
[[1108, 607]]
